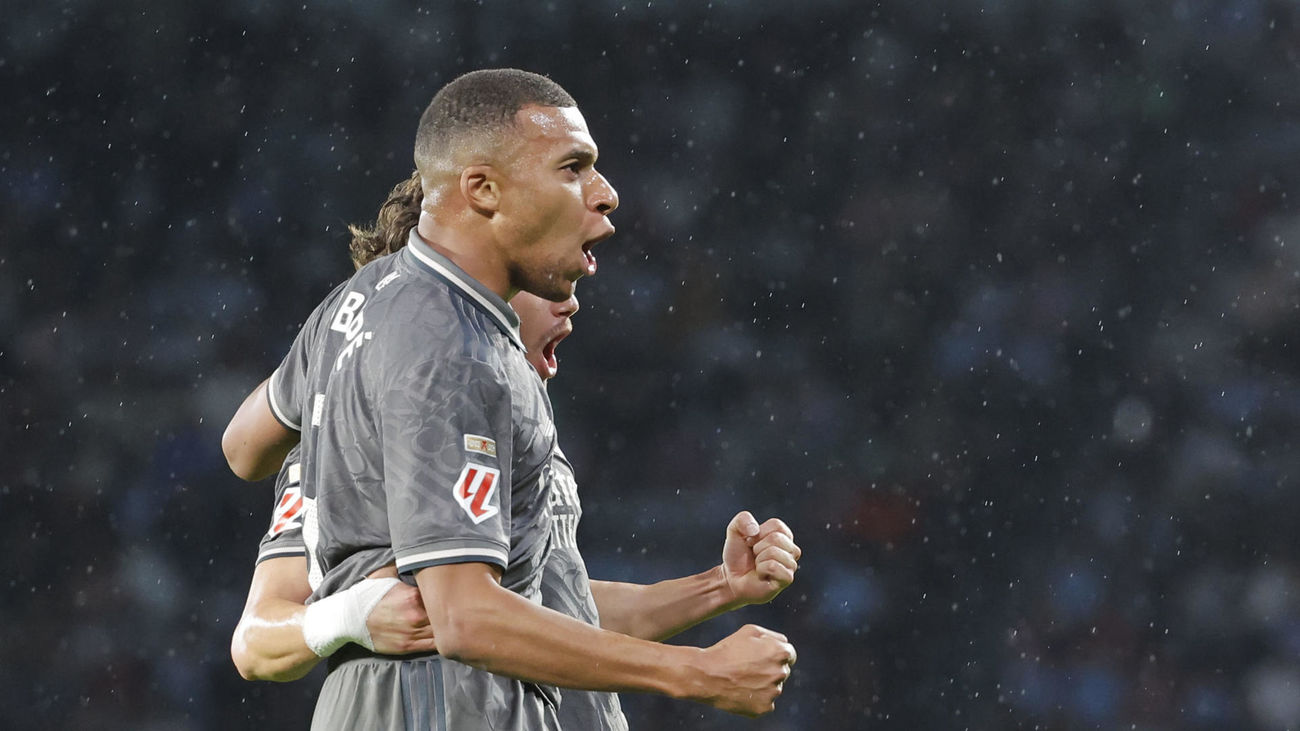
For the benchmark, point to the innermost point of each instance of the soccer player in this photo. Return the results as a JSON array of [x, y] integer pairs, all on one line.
[[270, 642], [428, 440]]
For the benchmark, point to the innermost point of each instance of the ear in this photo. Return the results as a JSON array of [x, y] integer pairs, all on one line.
[[481, 189]]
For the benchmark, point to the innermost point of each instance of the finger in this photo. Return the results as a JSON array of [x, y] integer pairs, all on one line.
[[793, 655], [424, 645], [777, 540], [776, 573], [744, 525], [775, 529], [775, 525], [765, 632], [779, 555]]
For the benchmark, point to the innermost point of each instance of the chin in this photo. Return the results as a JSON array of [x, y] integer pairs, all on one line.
[[545, 370], [557, 292]]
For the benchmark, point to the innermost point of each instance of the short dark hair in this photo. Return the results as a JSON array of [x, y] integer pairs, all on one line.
[[478, 102]]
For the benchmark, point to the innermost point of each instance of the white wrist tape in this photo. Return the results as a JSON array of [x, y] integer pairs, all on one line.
[[340, 618]]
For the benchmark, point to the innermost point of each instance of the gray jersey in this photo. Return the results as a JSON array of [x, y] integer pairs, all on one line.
[[427, 438], [567, 589], [284, 537]]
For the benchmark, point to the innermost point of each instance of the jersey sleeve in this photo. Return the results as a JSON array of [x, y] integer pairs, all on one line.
[[287, 390], [288, 385], [447, 433], [284, 537]]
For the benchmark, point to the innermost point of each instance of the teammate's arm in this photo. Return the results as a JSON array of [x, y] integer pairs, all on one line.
[[758, 562], [255, 442], [480, 623], [271, 639], [268, 643]]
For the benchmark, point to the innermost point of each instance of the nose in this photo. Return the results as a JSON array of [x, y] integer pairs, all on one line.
[[567, 308], [603, 197]]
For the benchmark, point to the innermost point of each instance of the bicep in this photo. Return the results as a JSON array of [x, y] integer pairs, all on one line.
[[448, 589], [279, 579], [466, 606], [449, 579], [255, 442]]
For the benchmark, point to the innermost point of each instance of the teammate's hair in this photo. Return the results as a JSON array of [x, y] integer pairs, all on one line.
[[476, 104], [397, 216]]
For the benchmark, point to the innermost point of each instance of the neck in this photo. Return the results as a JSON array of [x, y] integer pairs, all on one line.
[[471, 253]]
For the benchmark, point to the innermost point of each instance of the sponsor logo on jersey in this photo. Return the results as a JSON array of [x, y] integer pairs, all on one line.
[[288, 512], [474, 490], [482, 445]]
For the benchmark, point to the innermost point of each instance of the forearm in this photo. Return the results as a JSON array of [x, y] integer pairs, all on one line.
[[278, 638], [659, 611], [268, 642], [496, 630]]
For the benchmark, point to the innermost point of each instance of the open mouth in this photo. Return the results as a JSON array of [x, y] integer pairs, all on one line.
[[548, 356], [548, 350], [587, 247]]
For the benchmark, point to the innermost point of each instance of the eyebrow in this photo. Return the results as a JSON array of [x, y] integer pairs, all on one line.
[[582, 155]]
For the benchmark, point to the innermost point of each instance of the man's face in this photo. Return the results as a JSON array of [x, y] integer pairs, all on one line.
[[554, 204], [542, 325]]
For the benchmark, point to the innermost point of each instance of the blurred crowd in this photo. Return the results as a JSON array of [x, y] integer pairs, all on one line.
[[995, 303]]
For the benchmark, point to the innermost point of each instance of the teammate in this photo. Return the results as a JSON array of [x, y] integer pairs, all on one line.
[[277, 638], [460, 500]]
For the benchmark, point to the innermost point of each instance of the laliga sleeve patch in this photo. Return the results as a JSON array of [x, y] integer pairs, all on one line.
[[483, 445], [475, 489], [288, 512]]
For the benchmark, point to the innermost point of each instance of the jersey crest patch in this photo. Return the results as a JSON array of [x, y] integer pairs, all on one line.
[[288, 512], [474, 490], [482, 445]]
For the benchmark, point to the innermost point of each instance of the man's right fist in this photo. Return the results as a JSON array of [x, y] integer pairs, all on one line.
[[746, 671]]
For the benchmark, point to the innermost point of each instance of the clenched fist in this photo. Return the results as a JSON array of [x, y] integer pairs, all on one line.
[[758, 561], [746, 671]]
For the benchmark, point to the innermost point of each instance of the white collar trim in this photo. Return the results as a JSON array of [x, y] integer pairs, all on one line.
[[454, 274]]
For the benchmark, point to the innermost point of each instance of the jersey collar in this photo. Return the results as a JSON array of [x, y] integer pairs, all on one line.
[[486, 300]]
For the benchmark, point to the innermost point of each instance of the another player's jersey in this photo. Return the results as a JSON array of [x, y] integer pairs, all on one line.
[[566, 588], [284, 537], [428, 439]]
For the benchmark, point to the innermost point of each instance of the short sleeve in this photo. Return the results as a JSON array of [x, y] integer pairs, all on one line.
[[288, 387], [447, 435]]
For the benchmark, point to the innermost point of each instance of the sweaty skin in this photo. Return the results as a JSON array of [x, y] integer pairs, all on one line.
[[527, 217]]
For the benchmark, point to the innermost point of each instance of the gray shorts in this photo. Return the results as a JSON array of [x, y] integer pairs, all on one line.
[[426, 693]]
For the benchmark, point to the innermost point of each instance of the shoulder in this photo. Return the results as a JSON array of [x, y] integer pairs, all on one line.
[[441, 324]]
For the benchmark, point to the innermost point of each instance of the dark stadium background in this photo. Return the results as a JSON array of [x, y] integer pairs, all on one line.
[[995, 302]]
